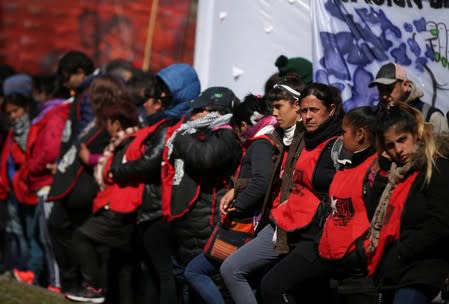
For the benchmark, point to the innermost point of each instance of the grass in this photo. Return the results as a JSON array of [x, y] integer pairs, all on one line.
[[12, 292]]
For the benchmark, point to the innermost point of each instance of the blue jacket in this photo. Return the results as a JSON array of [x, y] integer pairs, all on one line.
[[184, 85]]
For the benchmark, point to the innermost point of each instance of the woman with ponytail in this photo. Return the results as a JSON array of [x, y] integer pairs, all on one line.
[[407, 246]]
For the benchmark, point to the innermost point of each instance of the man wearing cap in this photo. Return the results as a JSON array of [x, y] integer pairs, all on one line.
[[204, 153], [393, 86]]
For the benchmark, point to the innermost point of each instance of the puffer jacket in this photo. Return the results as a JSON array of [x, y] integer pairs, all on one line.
[[210, 159]]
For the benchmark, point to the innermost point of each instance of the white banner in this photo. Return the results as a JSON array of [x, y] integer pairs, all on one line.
[[354, 38]]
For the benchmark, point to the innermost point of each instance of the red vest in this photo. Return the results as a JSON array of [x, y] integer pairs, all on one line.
[[348, 220], [167, 179], [128, 198], [391, 228], [298, 211]]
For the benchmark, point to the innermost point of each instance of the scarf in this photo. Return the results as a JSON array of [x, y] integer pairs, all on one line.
[[108, 152], [20, 128], [263, 126], [395, 175], [329, 128], [212, 120], [288, 135]]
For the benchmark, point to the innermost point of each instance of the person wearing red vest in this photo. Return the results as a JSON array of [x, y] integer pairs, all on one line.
[[300, 272], [240, 268], [114, 207], [407, 245], [244, 201], [346, 226], [166, 100]]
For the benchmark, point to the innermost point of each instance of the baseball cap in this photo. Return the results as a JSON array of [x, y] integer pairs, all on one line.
[[388, 74], [216, 96]]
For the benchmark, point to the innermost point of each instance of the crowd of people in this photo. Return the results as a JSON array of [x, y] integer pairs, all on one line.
[[124, 186]]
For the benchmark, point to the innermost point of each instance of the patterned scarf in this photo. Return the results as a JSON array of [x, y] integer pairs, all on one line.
[[20, 128], [395, 175], [212, 120]]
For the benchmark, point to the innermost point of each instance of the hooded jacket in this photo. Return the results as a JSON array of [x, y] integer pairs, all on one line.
[[431, 114]]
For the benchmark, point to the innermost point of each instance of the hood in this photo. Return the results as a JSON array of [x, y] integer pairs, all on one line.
[[46, 107], [182, 81], [414, 93]]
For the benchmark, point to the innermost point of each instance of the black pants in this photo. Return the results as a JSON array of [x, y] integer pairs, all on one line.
[[300, 277], [158, 245], [106, 229], [62, 223]]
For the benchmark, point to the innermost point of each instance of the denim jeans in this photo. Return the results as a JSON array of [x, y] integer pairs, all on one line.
[[30, 218], [16, 248], [409, 295], [198, 274]]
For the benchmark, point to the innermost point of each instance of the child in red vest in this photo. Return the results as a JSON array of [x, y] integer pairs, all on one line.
[[113, 220]]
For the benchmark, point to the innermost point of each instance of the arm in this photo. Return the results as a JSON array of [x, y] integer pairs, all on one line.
[[147, 167], [47, 146], [260, 154], [426, 237]]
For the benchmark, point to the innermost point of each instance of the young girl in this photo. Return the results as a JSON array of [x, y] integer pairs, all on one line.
[[407, 245], [347, 225], [114, 207]]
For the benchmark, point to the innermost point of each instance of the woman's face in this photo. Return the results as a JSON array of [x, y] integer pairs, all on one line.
[[314, 113], [399, 145], [14, 112], [152, 106]]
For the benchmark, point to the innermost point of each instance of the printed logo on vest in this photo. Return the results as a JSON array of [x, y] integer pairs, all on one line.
[[342, 210]]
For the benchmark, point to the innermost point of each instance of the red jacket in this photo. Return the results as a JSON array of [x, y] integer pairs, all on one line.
[[44, 143], [19, 184], [348, 220]]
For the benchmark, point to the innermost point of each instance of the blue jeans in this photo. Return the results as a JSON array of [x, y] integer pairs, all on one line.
[[16, 248], [409, 295], [198, 274], [30, 219]]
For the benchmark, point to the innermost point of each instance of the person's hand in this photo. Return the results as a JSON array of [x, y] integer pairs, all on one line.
[[52, 167], [84, 153], [226, 202]]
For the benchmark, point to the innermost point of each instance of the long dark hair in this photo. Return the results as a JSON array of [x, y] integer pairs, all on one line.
[[328, 95], [251, 103], [363, 118]]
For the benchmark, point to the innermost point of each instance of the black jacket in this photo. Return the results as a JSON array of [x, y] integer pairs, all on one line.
[[146, 170], [421, 254], [210, 159]]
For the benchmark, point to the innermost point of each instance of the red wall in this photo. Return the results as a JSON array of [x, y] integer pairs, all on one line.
[[34, 33]]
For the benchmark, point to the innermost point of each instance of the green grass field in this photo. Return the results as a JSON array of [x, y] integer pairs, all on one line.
[[12, 292]]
